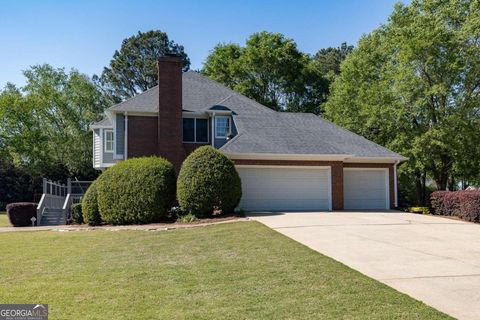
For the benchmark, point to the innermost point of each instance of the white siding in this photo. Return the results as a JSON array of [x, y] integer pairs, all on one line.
[[97, 148], [285, 188], [365, 189]]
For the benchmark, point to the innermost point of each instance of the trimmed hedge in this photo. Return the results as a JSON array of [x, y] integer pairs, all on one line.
[[463, 204], [436, 202], [208, 181], [137, 190], [20, 213], [470, 206], [90, 212], [77, 215]]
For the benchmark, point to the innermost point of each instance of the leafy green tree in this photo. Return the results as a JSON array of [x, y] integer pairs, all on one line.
[[271, 70], [222, 64], [328, 60], [414, 85], [44, 126], [133, 68]]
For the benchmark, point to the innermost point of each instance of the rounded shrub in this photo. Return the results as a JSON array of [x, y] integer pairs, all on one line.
[[90, 212], [208, 181], [20, 213], [137, 190]]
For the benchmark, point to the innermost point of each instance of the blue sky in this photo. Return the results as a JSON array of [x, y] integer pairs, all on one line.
[[85, 34]]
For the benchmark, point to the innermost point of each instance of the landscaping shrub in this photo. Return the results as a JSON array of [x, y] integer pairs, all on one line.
[[436, 202], [20, 213], [470, 206], [137, 190], [90, 212], [208, 181], [77, 215], [451, 203], [463, 204], [421, 210], [187, 218]]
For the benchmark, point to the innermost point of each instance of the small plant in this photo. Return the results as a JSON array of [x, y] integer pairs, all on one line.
[[421, 210], [187, 218], [77, 215]]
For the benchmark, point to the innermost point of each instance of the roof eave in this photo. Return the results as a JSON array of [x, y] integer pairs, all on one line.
[[313, 157]]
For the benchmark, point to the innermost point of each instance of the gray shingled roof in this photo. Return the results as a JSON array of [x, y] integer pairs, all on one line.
[[199, 94], [261, 129], [299, 133], [102, 123]]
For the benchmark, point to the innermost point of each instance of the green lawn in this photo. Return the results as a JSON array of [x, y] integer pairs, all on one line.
[[240, 270], [4, 222]]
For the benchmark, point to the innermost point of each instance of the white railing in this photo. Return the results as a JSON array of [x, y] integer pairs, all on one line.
[[53, 197], [60, 196], [40, 209], [67, 205]]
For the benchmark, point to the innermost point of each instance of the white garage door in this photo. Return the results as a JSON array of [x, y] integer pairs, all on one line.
[[365, 188], [284, 188]]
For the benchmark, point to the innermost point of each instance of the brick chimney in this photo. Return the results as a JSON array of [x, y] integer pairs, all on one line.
[[170, 123]]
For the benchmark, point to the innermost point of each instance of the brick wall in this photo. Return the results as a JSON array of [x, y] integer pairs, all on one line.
[[142, 136], [170, 145]]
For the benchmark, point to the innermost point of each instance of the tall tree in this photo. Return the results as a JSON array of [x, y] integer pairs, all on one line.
[[414, 85], [44, 126], [133, 68], [269, 69], [328, 60]]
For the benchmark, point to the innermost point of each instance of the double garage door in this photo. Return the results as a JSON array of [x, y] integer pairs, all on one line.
[[309, 188]]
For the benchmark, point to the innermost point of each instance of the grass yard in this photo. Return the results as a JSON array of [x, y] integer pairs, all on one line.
[[240, 270], [4, 222]]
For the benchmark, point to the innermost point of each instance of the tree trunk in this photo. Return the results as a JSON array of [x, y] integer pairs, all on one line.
[[419, 187], [424, 188]]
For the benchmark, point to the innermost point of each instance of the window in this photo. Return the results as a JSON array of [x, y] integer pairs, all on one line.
[[201, 130], [222, 127], [108, 140], [188, 129], [195, 130]]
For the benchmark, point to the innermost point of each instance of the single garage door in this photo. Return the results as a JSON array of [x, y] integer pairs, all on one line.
[[285, 188], [365, 188]]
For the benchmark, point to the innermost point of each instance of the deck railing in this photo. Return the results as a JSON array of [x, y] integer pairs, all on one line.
[[61, 196]]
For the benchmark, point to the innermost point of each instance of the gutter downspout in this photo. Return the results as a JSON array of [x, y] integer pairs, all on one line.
[[395, 188], [213, 129], [126, 136]]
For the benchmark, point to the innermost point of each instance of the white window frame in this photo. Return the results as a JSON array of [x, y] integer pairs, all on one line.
[[105, 140], [195, 131], [229, 127]]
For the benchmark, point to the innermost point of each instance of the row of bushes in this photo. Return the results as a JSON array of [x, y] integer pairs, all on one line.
[[463, 204], [143, 190]]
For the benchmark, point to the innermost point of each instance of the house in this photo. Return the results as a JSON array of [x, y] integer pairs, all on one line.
[[287, 161]]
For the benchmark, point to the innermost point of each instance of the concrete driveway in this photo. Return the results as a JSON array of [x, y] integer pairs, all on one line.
[[435, 260]]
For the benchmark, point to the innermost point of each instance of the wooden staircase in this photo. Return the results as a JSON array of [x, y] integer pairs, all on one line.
[[53, 217], [55, 205]]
